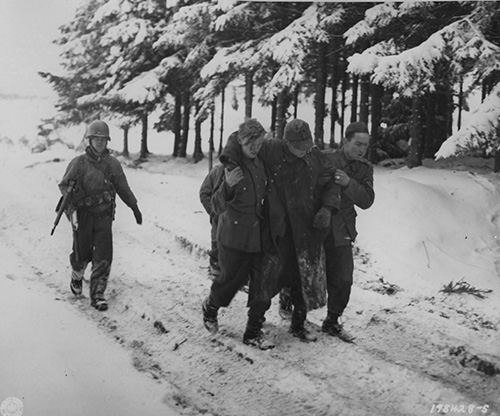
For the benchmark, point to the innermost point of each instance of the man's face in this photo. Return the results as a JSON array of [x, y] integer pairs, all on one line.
[[356, 146], [99, 143], [299, 151], [251, 147]]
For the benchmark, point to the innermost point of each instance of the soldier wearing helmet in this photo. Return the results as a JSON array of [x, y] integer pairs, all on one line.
[[97, 177]]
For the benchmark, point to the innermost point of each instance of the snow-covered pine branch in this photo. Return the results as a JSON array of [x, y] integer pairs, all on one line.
[[482, 131], [366, 62], [459, 43], [142, 89], [233, 58], [381, 16], [289, 47], [240, 13], [185, 24]]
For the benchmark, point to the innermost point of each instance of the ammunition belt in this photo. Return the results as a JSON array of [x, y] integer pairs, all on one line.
[[90, 201]]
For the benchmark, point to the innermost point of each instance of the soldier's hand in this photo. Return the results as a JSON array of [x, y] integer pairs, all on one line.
[[322, 218], [233, 177], [341, 178], [137, 215]]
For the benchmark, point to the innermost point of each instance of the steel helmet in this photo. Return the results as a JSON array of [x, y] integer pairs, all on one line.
[[97, 128]]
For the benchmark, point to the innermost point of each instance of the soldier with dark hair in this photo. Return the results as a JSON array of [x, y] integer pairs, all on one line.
[[97, 177], [354, 175]]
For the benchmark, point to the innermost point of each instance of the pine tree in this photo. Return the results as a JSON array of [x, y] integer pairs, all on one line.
[[413, 65]]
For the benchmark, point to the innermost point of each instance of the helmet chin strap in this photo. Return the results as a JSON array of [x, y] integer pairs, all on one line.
[[94, 149]]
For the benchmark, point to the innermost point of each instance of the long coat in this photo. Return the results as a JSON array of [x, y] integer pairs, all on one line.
[[297, 189], [240, 209], [359, 192]]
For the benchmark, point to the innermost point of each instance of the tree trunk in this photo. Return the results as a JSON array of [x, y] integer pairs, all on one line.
[[437, 123], [334, 84], [496, 167], [345, 83], [295, 101], [211, 141], [429, 126], [144, 136], [177, 124], [376, 111], [283, 103], [198, 153], [319, 96], [416, 148], [222, 102], [460, 104], [248, 94], [273, 115], [354, 99], [186, 110], [125, 141], [364, 98], [449, 114]]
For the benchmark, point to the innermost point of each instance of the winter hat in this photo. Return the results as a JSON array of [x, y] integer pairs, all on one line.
[[298, 134], [251, 129], [355, 127]]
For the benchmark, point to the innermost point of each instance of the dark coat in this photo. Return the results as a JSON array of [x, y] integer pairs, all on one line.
[[358, 192], [96, 175], [298, 188], [210, 184], [240, 209]]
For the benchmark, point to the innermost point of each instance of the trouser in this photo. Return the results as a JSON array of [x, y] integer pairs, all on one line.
[[93, 242], [214, 251], [289, 278], [214, 254], [237, 268], [339, 270]]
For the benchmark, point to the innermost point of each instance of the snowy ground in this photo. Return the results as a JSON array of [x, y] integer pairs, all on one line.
[[416, 348]]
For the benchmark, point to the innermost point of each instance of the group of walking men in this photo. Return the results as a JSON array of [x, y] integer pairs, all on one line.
[[282, 214], [283, 221]]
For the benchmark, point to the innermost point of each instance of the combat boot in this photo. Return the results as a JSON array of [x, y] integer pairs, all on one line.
[[331, 326], [254, 336], [257, 341], [297, 328], [76, 282], [100, 304], [210, 316]]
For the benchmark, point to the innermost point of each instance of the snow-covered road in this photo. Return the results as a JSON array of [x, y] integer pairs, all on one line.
[[409, 347]]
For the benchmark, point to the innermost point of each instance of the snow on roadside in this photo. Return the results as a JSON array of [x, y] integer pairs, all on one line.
[[428, 227]]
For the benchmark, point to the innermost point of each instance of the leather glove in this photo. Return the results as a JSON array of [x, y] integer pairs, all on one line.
[[322, 218], [137, 215]]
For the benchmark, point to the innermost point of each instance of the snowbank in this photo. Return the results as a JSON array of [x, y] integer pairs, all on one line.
[[428, 227]]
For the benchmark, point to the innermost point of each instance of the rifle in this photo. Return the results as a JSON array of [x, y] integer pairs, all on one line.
[[63, 204]]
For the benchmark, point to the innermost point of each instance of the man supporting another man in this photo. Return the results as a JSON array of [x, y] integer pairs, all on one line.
[[354, 174]]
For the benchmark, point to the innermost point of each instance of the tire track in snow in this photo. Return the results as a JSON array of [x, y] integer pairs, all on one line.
[[219, 374]]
